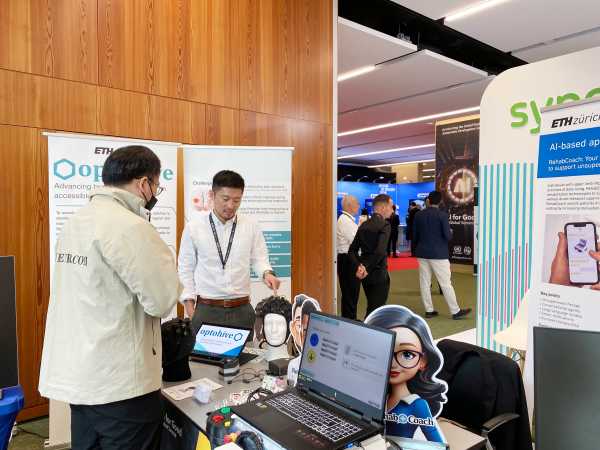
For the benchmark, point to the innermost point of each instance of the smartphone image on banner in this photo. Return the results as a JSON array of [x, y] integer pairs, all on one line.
[[581, 239]]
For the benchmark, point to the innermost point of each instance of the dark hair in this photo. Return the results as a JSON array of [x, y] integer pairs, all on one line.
[[435, 197], [272, 305], [227, 179], [425, 384], [381, 199], [364, 212], [129, 163], [413, 204]]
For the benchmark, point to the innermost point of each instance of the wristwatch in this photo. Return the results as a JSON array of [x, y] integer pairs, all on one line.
[[271, 272]]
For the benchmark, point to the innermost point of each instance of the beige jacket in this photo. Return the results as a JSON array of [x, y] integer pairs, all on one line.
[[114, 278]]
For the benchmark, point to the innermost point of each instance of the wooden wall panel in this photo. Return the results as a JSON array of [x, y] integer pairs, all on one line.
[[315, 60], [222, 126], [24, 234], [133, 114], [312, 256], [43, 102], [56, 38], [181, 48], [221, 72], [312, 246], [269, 58], [265, 129], [217, 49]]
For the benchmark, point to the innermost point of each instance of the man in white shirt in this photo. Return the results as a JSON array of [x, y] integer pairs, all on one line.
[[215, 255], [345, 231]]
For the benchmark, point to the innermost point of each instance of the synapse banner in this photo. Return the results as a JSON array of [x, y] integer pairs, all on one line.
[[456, 159]]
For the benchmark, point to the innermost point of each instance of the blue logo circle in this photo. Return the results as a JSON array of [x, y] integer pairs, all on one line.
[[314, 339], [403, 419]]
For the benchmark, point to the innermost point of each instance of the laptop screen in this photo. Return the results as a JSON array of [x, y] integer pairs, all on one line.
[[347, 362], [219, 340]]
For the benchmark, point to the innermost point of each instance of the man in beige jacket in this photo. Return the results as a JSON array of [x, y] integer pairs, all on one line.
[[114, 278]]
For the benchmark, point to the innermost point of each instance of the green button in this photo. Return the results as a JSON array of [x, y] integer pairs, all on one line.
[[226, 410]]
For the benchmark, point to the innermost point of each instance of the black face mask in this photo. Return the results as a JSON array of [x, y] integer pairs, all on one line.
[[150, 203]]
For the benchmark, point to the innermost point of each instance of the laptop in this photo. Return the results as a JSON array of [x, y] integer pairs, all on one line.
[[215, 343], [341, 391]]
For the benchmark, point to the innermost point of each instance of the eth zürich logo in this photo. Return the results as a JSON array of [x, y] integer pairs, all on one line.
[[64, 169]]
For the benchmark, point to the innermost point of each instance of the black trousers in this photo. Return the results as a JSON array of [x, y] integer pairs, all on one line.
[[133, 424], [349, 285], [393, 243], [377, 289]]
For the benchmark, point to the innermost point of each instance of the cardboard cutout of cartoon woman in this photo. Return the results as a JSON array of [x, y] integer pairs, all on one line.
[[301, 308], [415, 394]]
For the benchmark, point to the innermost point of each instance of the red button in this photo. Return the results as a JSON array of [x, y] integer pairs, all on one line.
[[218, 418]]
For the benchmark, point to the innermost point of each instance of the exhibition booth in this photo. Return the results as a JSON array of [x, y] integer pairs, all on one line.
[[520, 184]]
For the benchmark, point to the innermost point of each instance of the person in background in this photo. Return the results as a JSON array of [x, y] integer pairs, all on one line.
[[114, 278], [364, 216], [431, 233], [346, 231], [215, 255], [410, 220], [394, 221], [368, 253]]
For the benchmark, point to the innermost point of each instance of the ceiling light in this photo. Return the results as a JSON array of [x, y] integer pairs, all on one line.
[[355, 73], [392, 150], [408, 121], [473, 9], [400, 163]]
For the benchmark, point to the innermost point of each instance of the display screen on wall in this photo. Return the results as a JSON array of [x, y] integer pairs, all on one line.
[[401, 194], [456, 159], [9, 367]]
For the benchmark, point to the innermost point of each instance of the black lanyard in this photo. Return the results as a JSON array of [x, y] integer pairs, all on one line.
[[214, 230]]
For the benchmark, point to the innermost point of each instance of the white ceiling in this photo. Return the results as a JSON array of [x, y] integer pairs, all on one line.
[[359, 46], [449, 99], [435, 9], [516, 25], [425, 83], [561, 46], [413, 74]]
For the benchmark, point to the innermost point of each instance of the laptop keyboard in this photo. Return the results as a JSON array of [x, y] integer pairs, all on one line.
[[314, 417]]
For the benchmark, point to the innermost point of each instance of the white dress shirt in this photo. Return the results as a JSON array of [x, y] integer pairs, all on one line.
[[200, 269], [345, 232]]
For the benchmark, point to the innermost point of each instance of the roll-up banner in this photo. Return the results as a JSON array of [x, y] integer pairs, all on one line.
[[75, 164], [267, 172], [565, 285], [456, 162]]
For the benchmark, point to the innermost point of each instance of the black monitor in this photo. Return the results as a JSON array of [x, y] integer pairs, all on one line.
[[567, 389], [9, 367], [348, 363]]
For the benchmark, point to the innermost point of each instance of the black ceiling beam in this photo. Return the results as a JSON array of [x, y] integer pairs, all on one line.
[[393, 19]]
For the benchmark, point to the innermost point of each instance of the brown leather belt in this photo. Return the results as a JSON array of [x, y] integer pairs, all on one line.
[[228, 303]]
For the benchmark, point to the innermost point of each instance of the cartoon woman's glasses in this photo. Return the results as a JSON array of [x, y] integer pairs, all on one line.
[[408, 358]]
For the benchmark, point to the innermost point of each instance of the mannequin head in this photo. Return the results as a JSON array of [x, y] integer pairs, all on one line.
[[275, 329], [272, 316], [301, 309]]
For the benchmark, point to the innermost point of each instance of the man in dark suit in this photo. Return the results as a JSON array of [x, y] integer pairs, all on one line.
[[410, 220], [431, 234], [394, 221], [368, 252]]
